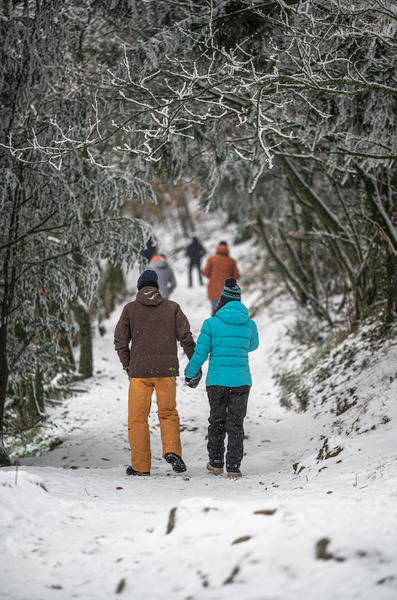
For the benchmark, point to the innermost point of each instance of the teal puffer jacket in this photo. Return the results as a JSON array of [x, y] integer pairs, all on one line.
[[227, 338]]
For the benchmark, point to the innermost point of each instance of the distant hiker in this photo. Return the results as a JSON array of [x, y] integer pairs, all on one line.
[[165, 274], [149, 251], [195, 252], [227, 337], [219, 267], [153, 325]]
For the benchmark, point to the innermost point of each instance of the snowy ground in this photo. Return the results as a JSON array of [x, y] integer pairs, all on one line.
[[93, 532]]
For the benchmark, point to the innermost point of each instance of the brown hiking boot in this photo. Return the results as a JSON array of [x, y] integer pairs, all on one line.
[[234, 474], [214, 470]]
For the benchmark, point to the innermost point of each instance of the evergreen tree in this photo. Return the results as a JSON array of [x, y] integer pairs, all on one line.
[[57, 216]]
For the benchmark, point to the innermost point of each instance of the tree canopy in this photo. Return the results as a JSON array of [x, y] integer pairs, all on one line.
[[283, 111]]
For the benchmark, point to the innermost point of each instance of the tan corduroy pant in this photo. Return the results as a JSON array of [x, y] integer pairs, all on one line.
[[139, 403]]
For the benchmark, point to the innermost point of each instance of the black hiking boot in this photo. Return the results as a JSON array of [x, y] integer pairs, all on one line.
[[131, 471], [178, 466]]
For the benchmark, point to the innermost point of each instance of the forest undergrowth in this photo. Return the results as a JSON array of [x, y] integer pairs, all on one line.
[[328, 372]]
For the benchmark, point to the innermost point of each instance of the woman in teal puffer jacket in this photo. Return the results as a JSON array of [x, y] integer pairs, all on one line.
[[228, 336]]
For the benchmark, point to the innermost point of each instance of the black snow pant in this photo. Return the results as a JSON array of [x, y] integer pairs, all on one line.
[[198, 265], [228, 407]]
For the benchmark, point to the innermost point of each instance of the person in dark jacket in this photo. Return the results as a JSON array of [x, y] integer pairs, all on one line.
[[149, 251], [195, 252], [228, 336], [152, 325]]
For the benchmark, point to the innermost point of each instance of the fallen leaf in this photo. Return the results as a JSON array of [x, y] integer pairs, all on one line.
[[266, 511], [171, 520], [120, 586], [231, 577], [239, 540]]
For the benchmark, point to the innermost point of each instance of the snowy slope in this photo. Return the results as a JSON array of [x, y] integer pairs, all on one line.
[[93, 532]]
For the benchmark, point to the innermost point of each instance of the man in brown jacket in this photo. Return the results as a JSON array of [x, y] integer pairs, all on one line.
[[153, 325]]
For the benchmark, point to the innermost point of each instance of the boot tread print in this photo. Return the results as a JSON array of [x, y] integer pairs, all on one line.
[[131, 471], [214, 470], [178, 466]]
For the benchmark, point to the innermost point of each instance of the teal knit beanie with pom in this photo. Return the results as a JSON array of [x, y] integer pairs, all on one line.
[[231, 291]]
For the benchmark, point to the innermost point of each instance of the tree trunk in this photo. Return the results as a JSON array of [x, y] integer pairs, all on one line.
[[391, 289], [379, 216], [39, 392], [83, 321], [4, 460], [113, 287], [185, 217], [28, 405], [64, 343]]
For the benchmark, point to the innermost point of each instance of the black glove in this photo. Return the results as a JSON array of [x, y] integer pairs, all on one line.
[[193, 382], [126, 369]]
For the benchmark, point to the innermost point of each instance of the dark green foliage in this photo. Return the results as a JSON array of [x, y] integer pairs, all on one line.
[[112, 289]]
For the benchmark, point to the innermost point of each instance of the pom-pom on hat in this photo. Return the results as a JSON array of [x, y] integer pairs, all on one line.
[[148, 277], [231, 291]]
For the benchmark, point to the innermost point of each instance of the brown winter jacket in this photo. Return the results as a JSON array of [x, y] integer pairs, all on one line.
[[153, 326], [218, 268]]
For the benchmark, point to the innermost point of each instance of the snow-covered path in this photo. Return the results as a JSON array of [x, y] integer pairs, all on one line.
[[96, 532]]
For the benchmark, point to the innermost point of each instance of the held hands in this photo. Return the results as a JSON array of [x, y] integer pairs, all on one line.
[[193, 382]]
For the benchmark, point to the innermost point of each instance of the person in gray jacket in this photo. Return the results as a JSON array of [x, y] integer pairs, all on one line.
[[166, 281]]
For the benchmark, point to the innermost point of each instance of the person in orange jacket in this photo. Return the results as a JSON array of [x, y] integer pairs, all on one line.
[[219, 267]]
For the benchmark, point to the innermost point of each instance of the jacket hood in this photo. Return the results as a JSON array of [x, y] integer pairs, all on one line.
[[234, 313], [222, 249], [149, 296]]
